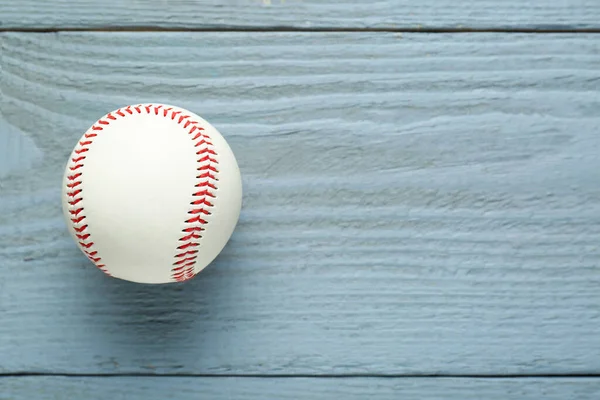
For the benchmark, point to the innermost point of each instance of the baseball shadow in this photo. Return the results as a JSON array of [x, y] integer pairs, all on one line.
[[163, 309], [148, 324]]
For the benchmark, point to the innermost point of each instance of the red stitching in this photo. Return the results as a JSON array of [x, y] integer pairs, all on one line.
[[197, 219], [200, 144], [203, 141], [186, 253], [177, 269], [206, 184], [194, 229], [191, 236], [207, 175], [183, 267], [199, 211], [202, 201], [72, 185], [185, 260], [207, 158], [207, 167], [188, 245], [198, 135], [206, 151], [81, 228], [203, 193], [74, 192]]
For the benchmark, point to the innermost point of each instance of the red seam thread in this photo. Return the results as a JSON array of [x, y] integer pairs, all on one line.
[[183, 267], [75, 193], [186, 255]]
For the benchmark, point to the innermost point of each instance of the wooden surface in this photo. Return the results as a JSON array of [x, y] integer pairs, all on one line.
[[183, 388], [421, 214], [418, 206], [17, 150], [308, 14]]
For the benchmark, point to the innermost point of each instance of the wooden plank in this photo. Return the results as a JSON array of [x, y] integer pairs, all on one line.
[[440, 14], [183, 388], [413, 204], [16, 150]]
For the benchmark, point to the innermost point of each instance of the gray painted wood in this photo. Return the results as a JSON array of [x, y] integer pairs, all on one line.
[[180, 388], [413, 204], [542, 14], [16, 150]]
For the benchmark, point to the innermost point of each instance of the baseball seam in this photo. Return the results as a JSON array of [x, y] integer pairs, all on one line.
[[183, 267]]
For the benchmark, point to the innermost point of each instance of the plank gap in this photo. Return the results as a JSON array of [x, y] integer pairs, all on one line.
[[302, 376], [292, 29]]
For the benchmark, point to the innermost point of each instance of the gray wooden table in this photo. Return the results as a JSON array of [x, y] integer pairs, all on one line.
[[421, 214]]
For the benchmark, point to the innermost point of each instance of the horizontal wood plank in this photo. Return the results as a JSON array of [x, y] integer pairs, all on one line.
[[182, 388], [413, 204], [18, 151], [185, 14]]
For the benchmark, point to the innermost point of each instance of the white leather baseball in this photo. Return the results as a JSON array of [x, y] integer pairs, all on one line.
[[151, 193]]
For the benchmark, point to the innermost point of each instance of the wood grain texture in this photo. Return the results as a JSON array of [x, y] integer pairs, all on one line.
[[181, 388], [541, 14], [16, 150], [414, 204]]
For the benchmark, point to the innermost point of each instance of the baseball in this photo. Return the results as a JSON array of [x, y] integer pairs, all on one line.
[[151, 193]]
